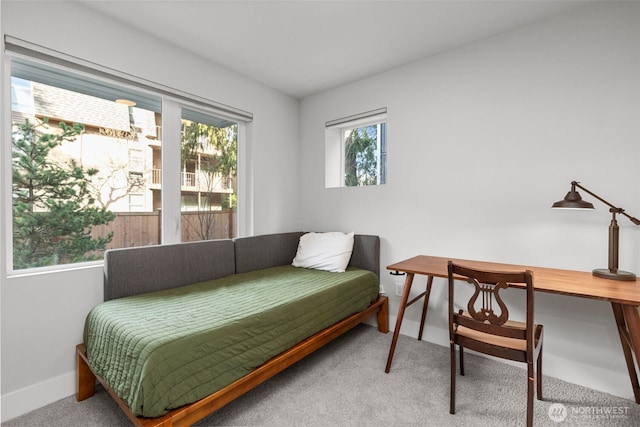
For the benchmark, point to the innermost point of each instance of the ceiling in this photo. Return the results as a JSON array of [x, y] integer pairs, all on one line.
[[303, 47]]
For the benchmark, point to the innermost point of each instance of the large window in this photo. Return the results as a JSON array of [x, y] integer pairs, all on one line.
[[356, 150], [88, 155]]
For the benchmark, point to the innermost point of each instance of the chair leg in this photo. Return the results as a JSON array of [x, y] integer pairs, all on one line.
[[530, 380], [461, 360], [452, 391], [539, 375]]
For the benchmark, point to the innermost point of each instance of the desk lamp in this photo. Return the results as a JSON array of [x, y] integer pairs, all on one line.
[[573, 201]]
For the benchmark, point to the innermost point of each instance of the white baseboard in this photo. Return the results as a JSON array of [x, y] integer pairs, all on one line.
[[25, 400], [615, 382]]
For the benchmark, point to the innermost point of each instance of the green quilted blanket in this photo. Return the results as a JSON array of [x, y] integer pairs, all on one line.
[[165, 349]]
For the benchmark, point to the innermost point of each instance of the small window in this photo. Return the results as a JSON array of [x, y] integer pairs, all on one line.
[[136, 161], [356, 150], [136, 202]]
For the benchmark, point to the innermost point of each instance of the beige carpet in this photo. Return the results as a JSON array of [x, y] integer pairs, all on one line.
[[344, 384]]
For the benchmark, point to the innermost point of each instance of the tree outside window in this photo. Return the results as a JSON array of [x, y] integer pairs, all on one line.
[[364, 155], [54, 209], [209, 164]]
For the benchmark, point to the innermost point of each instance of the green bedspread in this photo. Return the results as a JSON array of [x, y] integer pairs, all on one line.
[[162, 350]]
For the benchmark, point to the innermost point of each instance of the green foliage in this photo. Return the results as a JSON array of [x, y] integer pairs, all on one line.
[[197, 137], [215, 149], [53, 208], [361, 162], [229, 201]]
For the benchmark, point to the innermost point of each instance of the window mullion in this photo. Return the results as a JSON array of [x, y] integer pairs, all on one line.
[[245, 180], [171, 215]]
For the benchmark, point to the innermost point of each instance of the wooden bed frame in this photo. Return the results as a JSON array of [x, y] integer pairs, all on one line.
[[189, 414]]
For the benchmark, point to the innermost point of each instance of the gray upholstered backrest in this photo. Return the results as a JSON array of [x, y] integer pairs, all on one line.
[[366, 253], [270, 250], [133, 271]]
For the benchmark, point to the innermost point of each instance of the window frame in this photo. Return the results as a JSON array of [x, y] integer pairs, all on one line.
[[172, 103], [335, 142]]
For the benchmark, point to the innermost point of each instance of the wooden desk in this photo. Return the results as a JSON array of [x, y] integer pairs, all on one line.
[[624, 297]]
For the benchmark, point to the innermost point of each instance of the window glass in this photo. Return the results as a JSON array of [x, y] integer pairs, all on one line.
[[365, 155], [208, 176], [80, 158]]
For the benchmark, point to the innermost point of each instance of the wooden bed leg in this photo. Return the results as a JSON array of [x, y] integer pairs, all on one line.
[[86, 380], [383, 315]]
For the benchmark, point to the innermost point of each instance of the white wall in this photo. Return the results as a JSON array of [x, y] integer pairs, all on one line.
[[481, 141], [43, 315]]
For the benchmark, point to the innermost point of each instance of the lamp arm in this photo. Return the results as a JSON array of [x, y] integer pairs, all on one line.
[[615, 209]]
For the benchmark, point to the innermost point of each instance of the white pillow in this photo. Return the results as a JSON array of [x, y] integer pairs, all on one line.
[[324, 251]]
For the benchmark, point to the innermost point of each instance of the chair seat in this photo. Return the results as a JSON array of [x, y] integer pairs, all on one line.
[[511, 343]]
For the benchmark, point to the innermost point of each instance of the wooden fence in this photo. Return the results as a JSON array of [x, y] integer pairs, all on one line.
[[143, 228]]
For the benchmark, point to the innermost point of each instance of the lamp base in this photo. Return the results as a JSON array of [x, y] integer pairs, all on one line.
[[605, 273]]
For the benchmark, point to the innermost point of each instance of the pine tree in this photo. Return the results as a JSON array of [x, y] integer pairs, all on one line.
[[53, 208]]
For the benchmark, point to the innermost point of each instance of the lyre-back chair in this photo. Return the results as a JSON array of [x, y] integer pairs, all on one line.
[[485, 326]]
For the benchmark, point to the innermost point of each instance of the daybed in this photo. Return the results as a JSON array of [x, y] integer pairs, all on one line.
[[186, 328]]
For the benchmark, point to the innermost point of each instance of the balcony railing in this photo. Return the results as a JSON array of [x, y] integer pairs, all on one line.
[[156, 176], [188, 179], [197, 181]]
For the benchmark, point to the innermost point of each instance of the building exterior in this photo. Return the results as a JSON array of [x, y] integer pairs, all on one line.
[[124, 143]]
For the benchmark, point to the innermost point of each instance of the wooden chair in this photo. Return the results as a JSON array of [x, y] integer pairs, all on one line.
[[485, 326]]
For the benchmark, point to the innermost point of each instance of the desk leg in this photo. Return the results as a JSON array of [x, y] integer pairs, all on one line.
[[424, 307], [628, 323], [406, 290]]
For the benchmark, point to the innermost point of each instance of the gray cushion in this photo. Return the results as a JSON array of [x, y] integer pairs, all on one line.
[[366, 253], [268, 250], [133, 271]]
